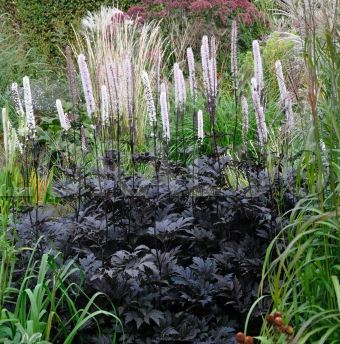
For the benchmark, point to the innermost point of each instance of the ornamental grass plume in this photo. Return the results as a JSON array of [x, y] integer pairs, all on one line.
[[245, 117], [259, 113], [87, 85], [149, 98], [258, 68], [104, 109], [129, 85], [233, 48], [64, 120], [285, 98], [16, 100], [72, 78], [30, 119], [165, 113], [200, 126], [192, 74]]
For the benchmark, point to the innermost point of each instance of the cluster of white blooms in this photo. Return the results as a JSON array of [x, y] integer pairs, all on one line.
[[104, 105], [64, 120], [180, 90], [209, 70], [165, 113], [259, 113], [285, 98], [30, 119], [200, 126], [192, 74], [16, 99], [149, 98], [245, 117], [87, 85], [258, 68], [234, 64]]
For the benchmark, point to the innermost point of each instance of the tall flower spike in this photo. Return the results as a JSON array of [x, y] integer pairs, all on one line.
[[192, 75], [285, 99], [64, 121], [84, 146], [104, 105], [205, 54], [259, 113], [30, 119], [258, 68], [245, 117], [149, 98], [16, 100], [213, 68], [165, 114], [87, 85], [234, 62], [180, 90], [200, 127]]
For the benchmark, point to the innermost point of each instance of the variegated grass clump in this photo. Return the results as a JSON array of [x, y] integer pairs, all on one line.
[[117, 48]]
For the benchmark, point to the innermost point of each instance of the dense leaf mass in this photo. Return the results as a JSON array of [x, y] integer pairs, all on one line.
[[179, 254]]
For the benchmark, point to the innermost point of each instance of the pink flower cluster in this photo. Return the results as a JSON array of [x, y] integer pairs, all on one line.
[[220, 9]]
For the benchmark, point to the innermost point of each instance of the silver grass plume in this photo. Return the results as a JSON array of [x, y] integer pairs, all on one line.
[[16, 100], [72, 78], [259, 113], [149, 98], [87, 85], [64, 121], [258, 68], [245, 117], [192, 74], [285, 98], [128, 85], [104, 105], [30, 119], [234, 62], [165, 113], [200, 126]]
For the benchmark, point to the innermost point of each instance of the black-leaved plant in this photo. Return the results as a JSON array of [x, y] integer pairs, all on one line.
[[180, 257]]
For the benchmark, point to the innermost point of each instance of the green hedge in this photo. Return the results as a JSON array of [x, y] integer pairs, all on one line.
[[48, 22]]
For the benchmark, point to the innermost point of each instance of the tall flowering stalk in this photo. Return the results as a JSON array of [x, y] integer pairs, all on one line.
[[104, 110], [245, 118], [10, 137], [180, 89], [258, 68], [72, 79], [205, 56], [192, 74], [64, 120], [16, 100], [30, 119], [128, 86], [165, 113], [84, 145], [233, 48], [259, 113], [87, 85], [149, 98], [285, 98], [213, 68], [200, 126]]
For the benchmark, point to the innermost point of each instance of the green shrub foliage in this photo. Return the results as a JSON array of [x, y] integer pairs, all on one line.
[[49, 23]]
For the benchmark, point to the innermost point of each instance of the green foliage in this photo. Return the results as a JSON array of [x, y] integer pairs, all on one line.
[[48, 23]]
